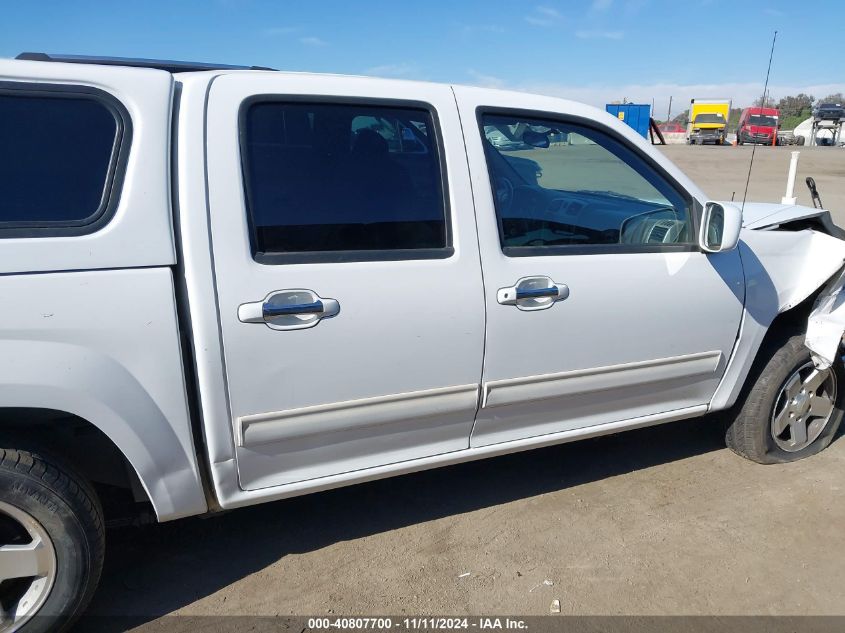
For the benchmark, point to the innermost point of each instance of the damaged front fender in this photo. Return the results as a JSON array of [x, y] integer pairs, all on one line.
[[782, 268], [826, 324]]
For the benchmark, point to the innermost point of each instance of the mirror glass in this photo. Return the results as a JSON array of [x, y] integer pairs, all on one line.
[[715, 226]]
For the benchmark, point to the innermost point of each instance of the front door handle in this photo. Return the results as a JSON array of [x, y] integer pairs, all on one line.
[[536, 293], [533, 293], [289, 310]]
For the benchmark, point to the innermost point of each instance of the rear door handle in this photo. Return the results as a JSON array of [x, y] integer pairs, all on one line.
[[533, 293], [289, 310]]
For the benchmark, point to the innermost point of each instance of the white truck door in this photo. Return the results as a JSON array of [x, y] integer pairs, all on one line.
[[600, 306], [347, 269]]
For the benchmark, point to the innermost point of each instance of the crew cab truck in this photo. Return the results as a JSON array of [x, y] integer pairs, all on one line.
[[227, 286], [708, 121], [758, 125]]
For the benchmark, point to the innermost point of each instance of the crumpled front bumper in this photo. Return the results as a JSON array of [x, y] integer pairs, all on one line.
[[826, 324], [706, 137]]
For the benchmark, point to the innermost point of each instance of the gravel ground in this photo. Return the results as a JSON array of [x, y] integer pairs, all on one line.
[[722, 171], [662, 520]]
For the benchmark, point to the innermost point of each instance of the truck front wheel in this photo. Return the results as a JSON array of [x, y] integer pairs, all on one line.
[[52, 543], [792, 410]]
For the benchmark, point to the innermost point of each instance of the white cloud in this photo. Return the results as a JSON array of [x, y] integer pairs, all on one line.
[[312, 41], [470, 29], [485, 81], [392, 70], [633, 7], [601, 5], [544, 16], [548, 12], [605, 35]]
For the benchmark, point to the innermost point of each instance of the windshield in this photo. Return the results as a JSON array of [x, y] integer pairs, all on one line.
[[709, 118], [759, 119]]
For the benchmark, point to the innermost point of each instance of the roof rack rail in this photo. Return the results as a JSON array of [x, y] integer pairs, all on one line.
[[170, 66]]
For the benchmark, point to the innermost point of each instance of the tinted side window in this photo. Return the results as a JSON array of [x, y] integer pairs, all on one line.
[[362, 180], [558, 184], [57, 160]]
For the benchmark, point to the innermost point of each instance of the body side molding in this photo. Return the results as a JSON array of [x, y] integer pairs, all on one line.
[[264, 428], [528, 388]]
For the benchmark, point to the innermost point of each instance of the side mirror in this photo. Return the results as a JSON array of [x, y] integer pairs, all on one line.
[[720, 226]]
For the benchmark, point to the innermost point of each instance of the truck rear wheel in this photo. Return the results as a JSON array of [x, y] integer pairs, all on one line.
[[52, 543], [792, 410]]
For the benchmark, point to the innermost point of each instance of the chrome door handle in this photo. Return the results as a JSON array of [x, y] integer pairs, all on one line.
[[289, 310], [533, 293], [270, 311]]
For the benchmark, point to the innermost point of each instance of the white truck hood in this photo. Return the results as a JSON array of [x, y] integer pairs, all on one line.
[[763, 215]]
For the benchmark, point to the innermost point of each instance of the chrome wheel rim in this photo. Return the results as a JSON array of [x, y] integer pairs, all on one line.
[[27, 566], [803, 407]]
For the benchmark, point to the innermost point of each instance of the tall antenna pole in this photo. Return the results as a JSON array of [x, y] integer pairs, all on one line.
[[763, 101]]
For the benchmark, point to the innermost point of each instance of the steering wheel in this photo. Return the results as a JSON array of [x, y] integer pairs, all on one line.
[[504, 193]]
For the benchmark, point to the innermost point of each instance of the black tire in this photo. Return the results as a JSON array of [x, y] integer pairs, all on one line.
[[799, 140], [749, 431], [67, 509]]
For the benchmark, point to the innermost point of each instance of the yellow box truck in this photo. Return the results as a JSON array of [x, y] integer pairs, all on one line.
[[708, 121]]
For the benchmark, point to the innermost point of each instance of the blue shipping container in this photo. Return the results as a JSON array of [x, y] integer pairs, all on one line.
[[635, 115]]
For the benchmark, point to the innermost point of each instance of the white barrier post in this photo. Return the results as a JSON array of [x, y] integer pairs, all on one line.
[[789, 198]]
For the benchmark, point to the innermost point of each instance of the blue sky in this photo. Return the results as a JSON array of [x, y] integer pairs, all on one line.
[[592, 50]]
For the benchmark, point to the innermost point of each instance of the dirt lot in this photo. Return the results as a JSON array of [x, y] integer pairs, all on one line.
[[657, 521], [722, 171]]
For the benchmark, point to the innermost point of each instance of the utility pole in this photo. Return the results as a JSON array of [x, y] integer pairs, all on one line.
[[669, 114]]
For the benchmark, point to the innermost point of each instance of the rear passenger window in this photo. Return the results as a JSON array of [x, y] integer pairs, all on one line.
[[342, 181], [58, 159]]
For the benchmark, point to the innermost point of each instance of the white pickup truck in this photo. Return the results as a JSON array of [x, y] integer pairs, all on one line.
[[224, 286]]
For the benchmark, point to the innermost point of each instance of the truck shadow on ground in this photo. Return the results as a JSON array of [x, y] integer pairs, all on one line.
[[154, 570]]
